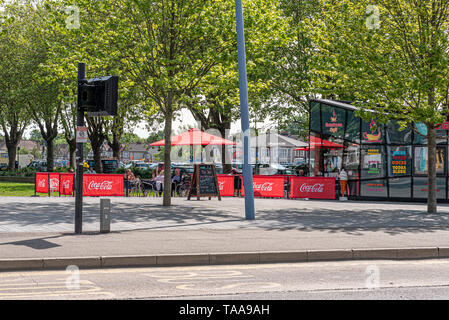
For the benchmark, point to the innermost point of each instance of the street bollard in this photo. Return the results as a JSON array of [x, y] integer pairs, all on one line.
[[105, 215]]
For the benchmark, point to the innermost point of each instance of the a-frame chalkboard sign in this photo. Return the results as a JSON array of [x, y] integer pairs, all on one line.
[[204, 182]]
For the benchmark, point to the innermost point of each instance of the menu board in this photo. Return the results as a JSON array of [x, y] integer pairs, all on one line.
[[374, 162], [204, 182], [109, 166], [399, 163]]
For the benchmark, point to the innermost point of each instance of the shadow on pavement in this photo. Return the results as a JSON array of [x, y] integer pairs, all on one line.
[[395, 218]]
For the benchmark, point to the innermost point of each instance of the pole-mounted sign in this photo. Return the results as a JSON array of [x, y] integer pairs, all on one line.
[[81, 135], [96, 97]]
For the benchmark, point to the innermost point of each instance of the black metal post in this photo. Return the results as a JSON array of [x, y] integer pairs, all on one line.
[[79, 156]]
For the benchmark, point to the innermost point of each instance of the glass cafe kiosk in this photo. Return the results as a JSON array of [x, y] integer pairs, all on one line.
[[382, 162]]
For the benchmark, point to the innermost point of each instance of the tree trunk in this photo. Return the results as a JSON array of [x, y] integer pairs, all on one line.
[[432, 172], [115, 146], [72, 151], [96, 149], [12, 154], [167, 150], [96, 137], [50, 155]]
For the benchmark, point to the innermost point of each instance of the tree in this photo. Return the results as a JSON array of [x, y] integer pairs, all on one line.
[[170, 46], [97, 136], [46, 111], [215, 103], [392, 56], [68, 120], [78, 34], [18, 63]]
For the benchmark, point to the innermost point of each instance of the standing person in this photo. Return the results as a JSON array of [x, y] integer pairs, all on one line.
[[237, 181], [343, 182]]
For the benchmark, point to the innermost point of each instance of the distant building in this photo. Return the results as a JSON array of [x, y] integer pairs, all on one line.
[[131, 151], [273, 148]]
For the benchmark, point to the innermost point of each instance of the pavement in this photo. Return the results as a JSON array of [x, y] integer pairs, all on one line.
[[37, 232]]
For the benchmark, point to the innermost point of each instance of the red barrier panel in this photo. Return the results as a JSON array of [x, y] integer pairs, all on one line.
[[93, 184], [66, 187], [267, 186], [226, 185], [41, 182], [103, 185], [54, 182], [312, 187]]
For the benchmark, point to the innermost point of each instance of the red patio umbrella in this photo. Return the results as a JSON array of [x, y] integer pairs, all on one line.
[[194, 137]]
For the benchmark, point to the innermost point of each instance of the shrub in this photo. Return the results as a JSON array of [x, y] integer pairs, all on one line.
[[120, 171]]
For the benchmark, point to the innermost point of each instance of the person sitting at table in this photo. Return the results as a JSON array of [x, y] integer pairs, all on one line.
[[176, 180], [130, 175], [159, 182], [91, 170]]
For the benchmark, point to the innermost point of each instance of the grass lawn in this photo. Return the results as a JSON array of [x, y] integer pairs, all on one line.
[[16, 189]]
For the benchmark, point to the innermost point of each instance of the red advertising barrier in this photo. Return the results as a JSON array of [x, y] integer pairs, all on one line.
[[226, 185], [267, 186], [93, 184], [103, 185], [66, 187], [41, 184], [312, 187]]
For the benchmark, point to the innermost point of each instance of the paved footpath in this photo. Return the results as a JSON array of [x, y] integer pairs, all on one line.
[[41, 227]]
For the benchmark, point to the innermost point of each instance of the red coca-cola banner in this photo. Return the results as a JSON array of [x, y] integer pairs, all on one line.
[[267, 186], [93, 184], [41, 182], [312, 187], [66, 187], [103, 185], [226, 185]]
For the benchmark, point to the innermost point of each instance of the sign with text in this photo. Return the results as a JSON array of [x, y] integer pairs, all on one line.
[[103, 185], [66, 184], [226, 185], [267, 186], [204, 182], [81, 135], [93, 184], [312, 187]]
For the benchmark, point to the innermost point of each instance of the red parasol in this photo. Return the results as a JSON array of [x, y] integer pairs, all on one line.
[[194, 137]]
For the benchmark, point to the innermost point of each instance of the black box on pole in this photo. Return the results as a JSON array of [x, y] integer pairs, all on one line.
[[99, 96]]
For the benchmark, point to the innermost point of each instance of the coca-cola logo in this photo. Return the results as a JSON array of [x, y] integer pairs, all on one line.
[[221, 185], [266, 186], [105, 185], [66, 184], [317, 187], [41, 183], [54, 183]]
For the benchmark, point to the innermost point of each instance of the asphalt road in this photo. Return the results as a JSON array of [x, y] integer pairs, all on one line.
[[424, 279]]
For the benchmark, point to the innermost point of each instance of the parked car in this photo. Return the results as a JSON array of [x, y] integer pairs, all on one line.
[[274, 168], [38, 165]]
